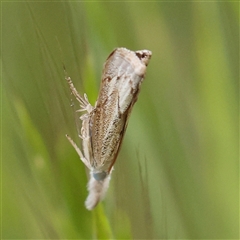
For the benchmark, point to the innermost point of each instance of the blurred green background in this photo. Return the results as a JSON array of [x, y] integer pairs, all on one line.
[[177, 173]]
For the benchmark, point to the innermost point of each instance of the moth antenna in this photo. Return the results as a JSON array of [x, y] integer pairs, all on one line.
[[97, 190]]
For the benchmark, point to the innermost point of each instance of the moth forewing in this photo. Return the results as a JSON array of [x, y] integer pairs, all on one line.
[[104, 125], [122, 75]]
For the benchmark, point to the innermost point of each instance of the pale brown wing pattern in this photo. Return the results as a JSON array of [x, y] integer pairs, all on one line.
[[122, 75]]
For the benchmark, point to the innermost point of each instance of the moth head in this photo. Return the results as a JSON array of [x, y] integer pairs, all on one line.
[[144, 56]]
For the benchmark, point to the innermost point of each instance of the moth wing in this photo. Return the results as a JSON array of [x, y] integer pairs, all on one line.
[[122, 75]]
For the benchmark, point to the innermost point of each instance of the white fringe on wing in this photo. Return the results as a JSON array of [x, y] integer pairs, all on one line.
[[97, 191]]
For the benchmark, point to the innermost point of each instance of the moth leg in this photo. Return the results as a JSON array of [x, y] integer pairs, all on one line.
[[79, 152], [84, 103]]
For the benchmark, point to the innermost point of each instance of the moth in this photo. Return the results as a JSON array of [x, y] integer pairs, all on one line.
[[105, 123]]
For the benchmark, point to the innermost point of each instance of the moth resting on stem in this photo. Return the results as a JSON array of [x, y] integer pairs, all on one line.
[[104, 125]]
